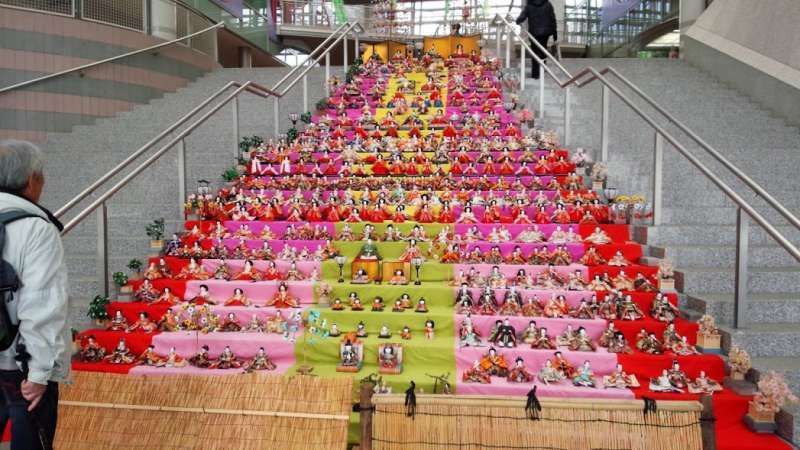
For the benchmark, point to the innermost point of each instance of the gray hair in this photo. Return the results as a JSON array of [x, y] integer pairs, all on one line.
[[18, 161]]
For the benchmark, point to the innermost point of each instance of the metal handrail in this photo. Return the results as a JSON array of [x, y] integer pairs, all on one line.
[[742, 222], [672, 119], [99, 205], [149, 161], [255, 89], [252, 87], [107, 60]]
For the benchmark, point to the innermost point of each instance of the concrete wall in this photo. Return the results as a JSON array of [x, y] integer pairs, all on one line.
[[754, 46], [34, 44]]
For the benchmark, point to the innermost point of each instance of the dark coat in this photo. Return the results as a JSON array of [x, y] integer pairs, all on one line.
[[541, 18]]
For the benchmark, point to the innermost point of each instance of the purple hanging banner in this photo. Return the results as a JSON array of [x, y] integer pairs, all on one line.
[[234, 7], [614, 9]]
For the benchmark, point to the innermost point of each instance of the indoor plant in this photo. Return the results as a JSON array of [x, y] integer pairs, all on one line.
[[97, 310]]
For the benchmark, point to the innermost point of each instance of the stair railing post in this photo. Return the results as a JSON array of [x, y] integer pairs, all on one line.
[[604, 118], [498, 32], [740, 285], [235, 110], [182, 176], [521, 67], [541, 89], [276, 113], [327, 73], [658, 168], [344, 47], [102, 247], [567, 111], [357, 47], [508, 49], [305, 93]]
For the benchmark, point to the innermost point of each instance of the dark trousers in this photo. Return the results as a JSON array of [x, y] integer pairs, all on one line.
[[28, 429], [534, 65]]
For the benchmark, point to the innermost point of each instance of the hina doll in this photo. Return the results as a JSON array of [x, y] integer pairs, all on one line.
[[476, 374], [248, 273], [556, 307], [293, 273], [349, 355], [193, 271], [361, 330], [405, 333], [238, 299], [582, 342], [170, 321], [505, 336], [618, 344], [584, 377], [230, 324], [543, 341], [259, 362], [567, 336], [663, 383], [520, 374], [421, 307], [494, 364], [642, 284], [282, 298], [566, 369], [618, 260], [118, 323], [583, 311], [532, 307], [592, 257], [120, 355], [622, 282], [530, 333], [173, 359], [649, 343], [143, 324], [384, 332], [146, 292], [598, 237], [704, 385], [662, 310], [683, 348], [91, 352], [549, 374], [150, 358], [629, 310], [255, 325], [377, 304], [619, 379], [670, 335], [201, 359], [203, 296], [608, 335], [226, 360], [430, 327]]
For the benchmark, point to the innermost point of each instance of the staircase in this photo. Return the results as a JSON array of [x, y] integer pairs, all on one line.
[[698, 231], [153, 194]]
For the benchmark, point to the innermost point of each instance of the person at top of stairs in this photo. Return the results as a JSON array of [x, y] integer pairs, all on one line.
[[541, 25]]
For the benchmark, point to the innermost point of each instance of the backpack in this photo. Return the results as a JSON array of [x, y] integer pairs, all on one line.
[[9, 281]]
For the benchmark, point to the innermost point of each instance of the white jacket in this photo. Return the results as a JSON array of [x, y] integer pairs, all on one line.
[[33, 247]]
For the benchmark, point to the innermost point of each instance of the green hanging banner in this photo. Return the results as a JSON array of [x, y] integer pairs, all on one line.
[[338, 9]]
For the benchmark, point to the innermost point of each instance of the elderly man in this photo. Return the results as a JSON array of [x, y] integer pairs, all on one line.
[[35, 309]]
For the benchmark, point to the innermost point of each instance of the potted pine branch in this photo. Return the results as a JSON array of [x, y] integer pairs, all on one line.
[[155, 231], [124, 290], [135, 266], [98, 310]]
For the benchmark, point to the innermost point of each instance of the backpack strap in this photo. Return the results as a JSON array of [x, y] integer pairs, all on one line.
[[8, 279]]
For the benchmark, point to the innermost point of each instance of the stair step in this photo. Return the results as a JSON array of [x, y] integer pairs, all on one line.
[[762, 307], [768, 340]]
